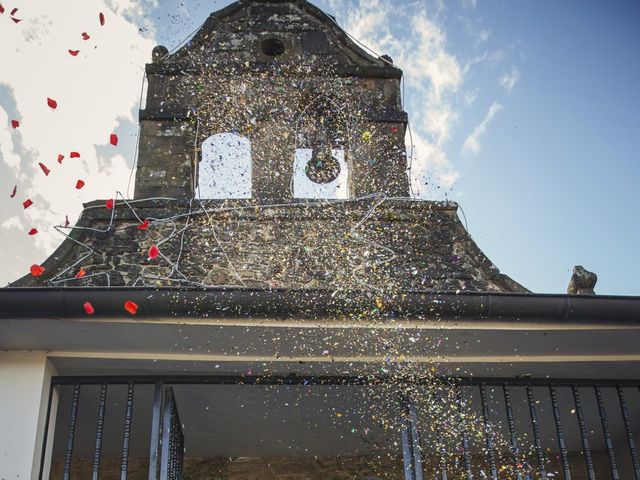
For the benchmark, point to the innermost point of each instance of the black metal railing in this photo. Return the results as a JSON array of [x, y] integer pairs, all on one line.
[[504, 427], [171, 440]]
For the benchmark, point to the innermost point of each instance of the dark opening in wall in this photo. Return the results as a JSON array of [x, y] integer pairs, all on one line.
[[272, 47]]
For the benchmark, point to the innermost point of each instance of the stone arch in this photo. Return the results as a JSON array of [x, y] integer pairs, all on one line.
[[321, 167], [225, 167]]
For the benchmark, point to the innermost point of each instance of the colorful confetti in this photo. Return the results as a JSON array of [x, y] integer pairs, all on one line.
[[131, 307], [36, 270], [88, 308]]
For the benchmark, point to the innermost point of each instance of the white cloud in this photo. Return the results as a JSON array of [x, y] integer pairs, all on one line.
[[472, 145], [432, 74], [483, 35], [470, 96], [12, 222], [509, 80], [97, 94]]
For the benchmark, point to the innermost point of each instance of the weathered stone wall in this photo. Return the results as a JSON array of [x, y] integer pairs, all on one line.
[[320, 86], [365, 245]]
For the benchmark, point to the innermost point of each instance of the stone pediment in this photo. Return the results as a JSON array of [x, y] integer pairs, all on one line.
[[249, 33], [373, 245]]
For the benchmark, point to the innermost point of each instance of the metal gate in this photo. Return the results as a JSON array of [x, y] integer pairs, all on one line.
[[573, 429], [167, 440]]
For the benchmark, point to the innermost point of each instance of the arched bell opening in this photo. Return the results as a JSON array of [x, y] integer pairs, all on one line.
[[225, 167], [321, 168]]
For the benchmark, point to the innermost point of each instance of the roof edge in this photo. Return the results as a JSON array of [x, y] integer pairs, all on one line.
[[168, 302]]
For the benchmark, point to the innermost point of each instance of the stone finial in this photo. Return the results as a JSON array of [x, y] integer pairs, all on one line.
[[582, 282], [158, 53]]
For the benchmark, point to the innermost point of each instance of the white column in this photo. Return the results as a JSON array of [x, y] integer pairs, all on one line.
[[24, 392]]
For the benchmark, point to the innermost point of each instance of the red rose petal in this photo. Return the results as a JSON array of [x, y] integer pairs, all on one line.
[[60, 158], [1, 9], [44, 168], [109, 204], [113, 139], [37, 270], [79, 184], [74, 53], [81, 273], [33, 231], [13, 192], [131, 307], [74, 155], [88, 308], [101, 17], [394, 129], [13, 12], [144, 225], [154, 251], [16, 20], [27, 203], [15, 123], [52, 103], [85, 36]]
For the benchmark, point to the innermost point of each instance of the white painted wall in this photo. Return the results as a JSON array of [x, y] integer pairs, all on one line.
[[303, 187], [225, 168], [24, 390]]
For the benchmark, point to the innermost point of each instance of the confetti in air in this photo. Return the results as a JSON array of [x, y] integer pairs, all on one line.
[[329, 214], [154, 251], [44, 169], [144, 225], [37, 270], [88, 308], [131, 307]]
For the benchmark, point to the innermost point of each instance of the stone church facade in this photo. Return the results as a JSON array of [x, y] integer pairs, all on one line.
[[273, 303]]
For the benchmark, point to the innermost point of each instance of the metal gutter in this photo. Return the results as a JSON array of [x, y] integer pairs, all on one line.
[[67, 302]]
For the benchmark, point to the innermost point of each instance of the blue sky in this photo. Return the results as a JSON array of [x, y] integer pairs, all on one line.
[[526, 113]]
